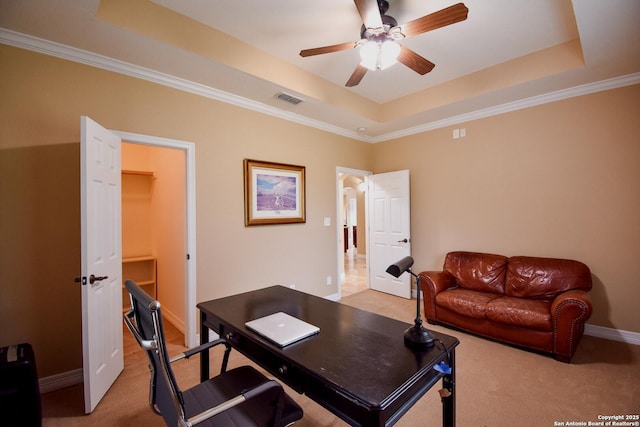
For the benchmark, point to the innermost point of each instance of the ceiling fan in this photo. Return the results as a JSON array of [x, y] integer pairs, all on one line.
[[379, 47]]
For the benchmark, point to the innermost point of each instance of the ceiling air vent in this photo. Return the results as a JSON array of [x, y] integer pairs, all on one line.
[[288, 98]]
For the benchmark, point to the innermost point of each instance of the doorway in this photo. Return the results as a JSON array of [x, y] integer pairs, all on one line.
[[183, 313], [153, 226], [351, 226]]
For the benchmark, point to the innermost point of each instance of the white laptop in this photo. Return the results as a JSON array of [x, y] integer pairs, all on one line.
[[282, 329]]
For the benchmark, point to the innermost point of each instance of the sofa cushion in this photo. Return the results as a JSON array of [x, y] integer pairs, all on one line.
[[477, 271], [529, 277], [465, 302], [534, 314]]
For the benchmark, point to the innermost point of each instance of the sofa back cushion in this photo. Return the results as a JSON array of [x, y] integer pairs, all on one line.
[[478, 271], [530, 277]]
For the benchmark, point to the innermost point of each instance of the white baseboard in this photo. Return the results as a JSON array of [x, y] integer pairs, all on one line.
[[59, 381], [612, 334], [333, 297]]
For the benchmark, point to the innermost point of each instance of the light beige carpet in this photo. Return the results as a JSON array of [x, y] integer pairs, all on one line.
[[496, 385]]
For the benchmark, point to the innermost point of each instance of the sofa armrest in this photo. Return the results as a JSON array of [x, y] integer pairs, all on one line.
[[569, 312], [432, 283]]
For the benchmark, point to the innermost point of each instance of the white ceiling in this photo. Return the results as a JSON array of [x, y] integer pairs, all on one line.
[[496, 32]]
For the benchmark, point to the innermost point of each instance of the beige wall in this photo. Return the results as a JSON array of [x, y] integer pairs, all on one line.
[[40, 250], [557, 180]]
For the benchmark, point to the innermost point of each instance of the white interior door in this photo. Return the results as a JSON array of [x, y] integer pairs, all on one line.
[[389, 237], [101, 260]]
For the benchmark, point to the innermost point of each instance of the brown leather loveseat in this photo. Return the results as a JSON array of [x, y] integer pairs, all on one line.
[[537, 303]]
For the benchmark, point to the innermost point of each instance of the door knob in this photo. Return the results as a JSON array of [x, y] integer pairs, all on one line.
[[93, 279], [403, 241]]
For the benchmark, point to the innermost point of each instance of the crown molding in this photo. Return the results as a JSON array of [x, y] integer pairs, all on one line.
[[58, 50], [533, 101]]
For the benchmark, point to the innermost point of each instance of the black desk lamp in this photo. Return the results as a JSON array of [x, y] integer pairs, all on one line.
[[416, 336]]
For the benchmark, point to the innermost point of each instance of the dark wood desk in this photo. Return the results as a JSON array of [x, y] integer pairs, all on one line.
[[357, 366]]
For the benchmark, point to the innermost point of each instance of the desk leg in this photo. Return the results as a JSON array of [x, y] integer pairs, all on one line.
[[204, 355], [449, 402]]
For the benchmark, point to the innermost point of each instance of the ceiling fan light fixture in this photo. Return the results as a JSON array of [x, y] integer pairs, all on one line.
[[379, 34], [378, 55]]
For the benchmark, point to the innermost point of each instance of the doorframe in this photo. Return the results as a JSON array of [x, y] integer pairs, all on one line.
[[190, 244], [338, 220]]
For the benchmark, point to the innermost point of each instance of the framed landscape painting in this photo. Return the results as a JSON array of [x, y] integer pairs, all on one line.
[[274, 193]]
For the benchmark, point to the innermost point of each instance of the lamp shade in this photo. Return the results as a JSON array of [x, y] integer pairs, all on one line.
[[400, 267]]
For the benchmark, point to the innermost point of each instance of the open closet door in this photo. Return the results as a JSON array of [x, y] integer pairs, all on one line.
[[389, 230], [101, 224]]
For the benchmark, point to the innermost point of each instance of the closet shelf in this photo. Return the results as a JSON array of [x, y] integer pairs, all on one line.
[[138, 258], [142, 173]]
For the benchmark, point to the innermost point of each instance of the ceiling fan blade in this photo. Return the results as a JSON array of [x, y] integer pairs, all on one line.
[[357, 76], [327, 49], [442, 18], [414, 61], [369, 12]]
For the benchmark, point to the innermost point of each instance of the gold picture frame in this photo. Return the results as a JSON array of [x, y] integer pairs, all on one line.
[[274, 193]]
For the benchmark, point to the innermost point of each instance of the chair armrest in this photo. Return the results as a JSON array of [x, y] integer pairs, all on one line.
[[267, 386], [569, 312], [262, 388], [206, 346], [432, 283], [196, 350]]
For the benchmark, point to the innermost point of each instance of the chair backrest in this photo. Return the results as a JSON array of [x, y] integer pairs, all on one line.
[[144, 320]]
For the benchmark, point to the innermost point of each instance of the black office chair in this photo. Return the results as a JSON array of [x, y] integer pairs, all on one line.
[[238, 397]]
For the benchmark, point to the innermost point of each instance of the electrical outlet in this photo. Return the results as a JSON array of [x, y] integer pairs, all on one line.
[[463, 132], [456, 133], [329, 280]]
